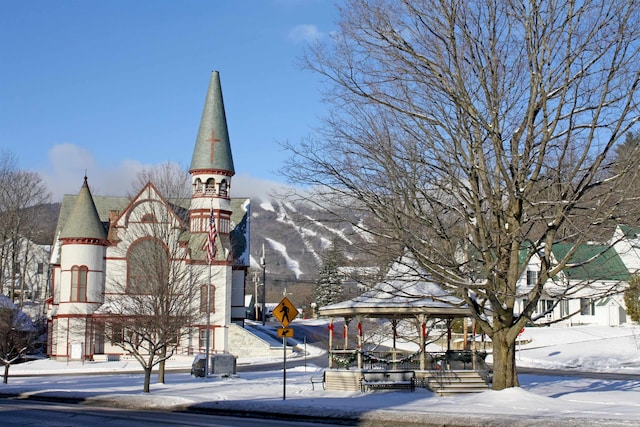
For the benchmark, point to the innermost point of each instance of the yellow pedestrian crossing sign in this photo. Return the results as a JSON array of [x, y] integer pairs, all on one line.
[[285, 332], [285, 312]]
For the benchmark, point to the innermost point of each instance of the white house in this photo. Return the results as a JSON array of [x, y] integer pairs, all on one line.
[[588, 290]]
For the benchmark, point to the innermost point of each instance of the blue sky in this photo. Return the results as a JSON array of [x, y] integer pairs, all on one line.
[[114, 86]]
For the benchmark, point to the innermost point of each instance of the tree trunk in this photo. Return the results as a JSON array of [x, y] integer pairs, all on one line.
[[147, 379], [161, 367], [6, 373], [504, 362]]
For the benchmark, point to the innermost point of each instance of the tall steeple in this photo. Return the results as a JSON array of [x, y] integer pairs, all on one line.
[[211, 169], [212, 151]]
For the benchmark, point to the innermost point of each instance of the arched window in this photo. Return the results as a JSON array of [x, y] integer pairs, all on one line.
[[203, 298], [198, 185], [211, 186], [223, 188], [79, 283], [147, 267]]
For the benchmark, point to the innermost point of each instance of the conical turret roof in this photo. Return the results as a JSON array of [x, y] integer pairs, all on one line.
[[213, 149], [84, 221]]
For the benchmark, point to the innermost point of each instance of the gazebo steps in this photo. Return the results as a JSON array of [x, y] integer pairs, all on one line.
[[455, 382]]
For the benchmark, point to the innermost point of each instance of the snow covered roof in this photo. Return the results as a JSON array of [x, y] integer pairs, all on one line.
[[404, 291]]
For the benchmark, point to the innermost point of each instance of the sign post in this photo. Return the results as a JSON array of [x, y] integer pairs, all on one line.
[[285, 312]]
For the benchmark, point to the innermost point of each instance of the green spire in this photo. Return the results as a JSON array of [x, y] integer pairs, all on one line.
[[84, 221], [213, 150]]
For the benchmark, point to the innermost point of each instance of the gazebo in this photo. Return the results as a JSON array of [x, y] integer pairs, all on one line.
[[403, 294]]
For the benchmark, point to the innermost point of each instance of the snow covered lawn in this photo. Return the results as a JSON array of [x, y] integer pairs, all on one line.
[[541, 400]]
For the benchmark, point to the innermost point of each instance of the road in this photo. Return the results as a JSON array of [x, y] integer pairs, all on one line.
[[22, 413]]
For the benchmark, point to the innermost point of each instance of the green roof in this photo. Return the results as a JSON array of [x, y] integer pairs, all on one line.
[[630, 231], [592, 262], [83, 220]]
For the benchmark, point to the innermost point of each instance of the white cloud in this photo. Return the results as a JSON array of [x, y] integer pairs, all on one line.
[[305, 33], [249, 186], [68, 164]]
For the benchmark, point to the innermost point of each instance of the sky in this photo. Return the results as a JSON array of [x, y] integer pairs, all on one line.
[[111, 87], [540, 401]]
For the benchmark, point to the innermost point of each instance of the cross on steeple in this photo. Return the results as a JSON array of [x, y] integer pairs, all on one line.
[[212, 140]]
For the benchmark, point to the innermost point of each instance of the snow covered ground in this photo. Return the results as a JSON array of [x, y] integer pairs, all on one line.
[[541, 400]]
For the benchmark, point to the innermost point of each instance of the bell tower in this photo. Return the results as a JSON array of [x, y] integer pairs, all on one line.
[[211, 166]]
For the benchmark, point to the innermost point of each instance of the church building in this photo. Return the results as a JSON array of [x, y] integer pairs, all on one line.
[[204, 239]]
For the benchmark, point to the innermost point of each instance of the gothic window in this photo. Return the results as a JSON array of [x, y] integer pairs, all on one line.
[[79, 283], [203, 298], [147, 266]]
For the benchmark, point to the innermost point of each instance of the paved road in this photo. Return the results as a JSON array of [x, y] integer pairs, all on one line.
[[21, 413]]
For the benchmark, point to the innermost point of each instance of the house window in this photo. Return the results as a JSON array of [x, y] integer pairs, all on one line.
[[203, 298], [79, 283], [587, 307], [564, 308], [532, 278], [545, 306]]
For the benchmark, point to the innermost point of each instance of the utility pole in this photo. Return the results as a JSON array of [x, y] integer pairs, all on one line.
[[263, 263]]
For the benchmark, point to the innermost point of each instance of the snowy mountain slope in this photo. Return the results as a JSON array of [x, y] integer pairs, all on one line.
[[294, 240]]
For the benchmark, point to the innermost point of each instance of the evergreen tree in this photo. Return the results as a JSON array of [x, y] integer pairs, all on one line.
[[329, 283], [632, 298]]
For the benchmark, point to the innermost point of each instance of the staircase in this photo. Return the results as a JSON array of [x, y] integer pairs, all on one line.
[[447, 382], [245, 342]]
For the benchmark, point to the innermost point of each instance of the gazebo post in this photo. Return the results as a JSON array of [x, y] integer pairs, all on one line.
[[423, 339], [345, 333], [360, 342], [330, 342], [394, 331]]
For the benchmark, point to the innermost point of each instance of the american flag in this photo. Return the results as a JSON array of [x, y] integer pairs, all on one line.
[[211, 239]]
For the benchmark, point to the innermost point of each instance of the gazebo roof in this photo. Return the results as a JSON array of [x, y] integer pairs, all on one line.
[[403, 293]]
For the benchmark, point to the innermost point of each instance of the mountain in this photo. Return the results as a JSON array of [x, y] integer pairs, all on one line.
[[294, 240]]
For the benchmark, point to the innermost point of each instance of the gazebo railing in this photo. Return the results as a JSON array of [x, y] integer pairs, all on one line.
[[400, 359]]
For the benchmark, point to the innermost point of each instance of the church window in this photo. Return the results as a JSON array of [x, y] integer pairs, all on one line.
[[211, 186], [147, 267], [198, 185], [203, 298], [79, 283], [149, 217], [223, 188], [202, 342], [117, 333]]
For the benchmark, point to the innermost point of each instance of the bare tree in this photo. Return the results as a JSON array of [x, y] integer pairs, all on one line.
[[151, 301], [20, 191], [170, 179], [18, 335], [477, 134]]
